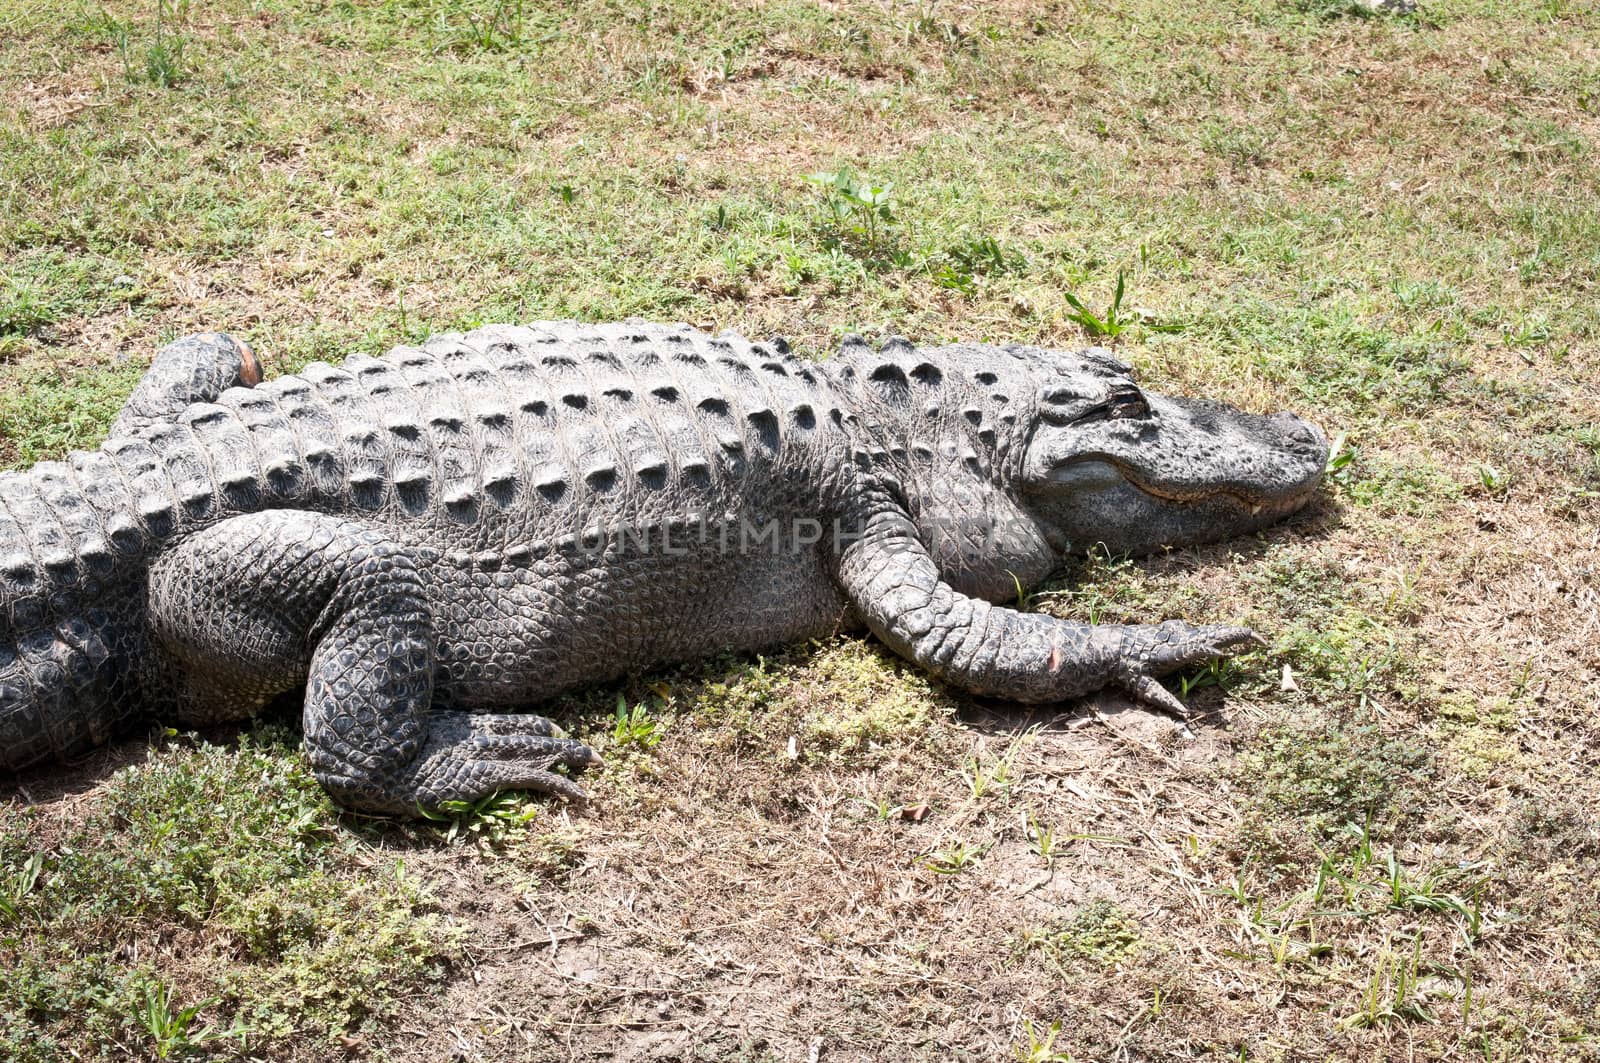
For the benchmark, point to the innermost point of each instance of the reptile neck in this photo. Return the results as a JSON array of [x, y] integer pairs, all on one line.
[[946, 442]]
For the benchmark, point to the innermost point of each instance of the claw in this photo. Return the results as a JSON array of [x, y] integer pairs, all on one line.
[[1243, 639], [471, 755], [1171, 647], [1147, 689]]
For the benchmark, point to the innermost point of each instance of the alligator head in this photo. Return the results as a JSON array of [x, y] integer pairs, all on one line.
[[1011, 457], [1107, 462]]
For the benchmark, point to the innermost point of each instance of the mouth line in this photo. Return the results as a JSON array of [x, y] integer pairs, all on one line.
[[1255, 504]]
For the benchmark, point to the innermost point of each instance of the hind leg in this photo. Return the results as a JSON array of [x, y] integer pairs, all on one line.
[[258, 604]]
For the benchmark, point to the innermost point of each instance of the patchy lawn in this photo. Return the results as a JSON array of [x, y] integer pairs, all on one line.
[[1378, 840]]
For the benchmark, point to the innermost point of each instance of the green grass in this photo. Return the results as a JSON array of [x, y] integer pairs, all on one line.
[[1384, 223], [277, 925], [1100, 934]]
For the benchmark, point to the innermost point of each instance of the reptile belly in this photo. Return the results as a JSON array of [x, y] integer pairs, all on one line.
[[517, 636]]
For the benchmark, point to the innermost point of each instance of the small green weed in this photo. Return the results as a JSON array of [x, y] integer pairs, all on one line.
[[24, 308], [1216, 673], [1041, 1048], [882, 808], [1042, 839], [954, 859], [1100, 932], [174, 1033], [635, 726], [1024, 600], [492, 818], [987, 776], [1426, 895], [1494, 482], [1525, 332], [1325, 777], [16, 885], [163, 59], [1392, 993], [158, 61], [1352, 666], [1519, 687], [498, 27], [959, 266], [860, 206], [860, 705], [924, 25], [1342, 455], [1403, 600], [1114, 322]]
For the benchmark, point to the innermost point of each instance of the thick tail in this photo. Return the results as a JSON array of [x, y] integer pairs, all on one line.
[[57, 695], [194, 369], [64, 580], [75, 542], [77, 538]]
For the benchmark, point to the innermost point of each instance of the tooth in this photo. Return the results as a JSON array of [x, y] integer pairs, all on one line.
[[1255, 509]]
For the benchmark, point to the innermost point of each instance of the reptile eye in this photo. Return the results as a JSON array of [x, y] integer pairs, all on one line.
[[1125, 402]]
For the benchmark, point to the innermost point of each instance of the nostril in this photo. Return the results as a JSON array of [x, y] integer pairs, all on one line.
[[1301, 431]]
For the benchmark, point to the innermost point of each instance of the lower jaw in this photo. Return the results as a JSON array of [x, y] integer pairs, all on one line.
[[1269, 509], [1218, 523], [1279, 508]]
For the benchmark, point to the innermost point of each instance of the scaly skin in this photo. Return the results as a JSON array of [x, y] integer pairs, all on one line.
[[429, 541]]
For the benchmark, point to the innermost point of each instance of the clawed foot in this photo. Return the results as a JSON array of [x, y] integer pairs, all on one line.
[[1149, 652], [471, 755]]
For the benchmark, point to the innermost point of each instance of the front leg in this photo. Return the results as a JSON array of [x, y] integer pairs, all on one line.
[[260, 604], [988, 649]]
